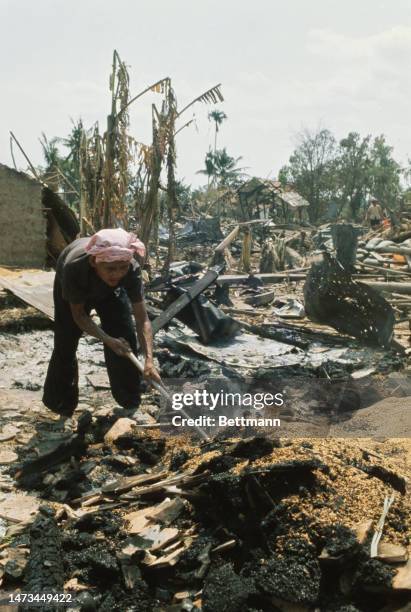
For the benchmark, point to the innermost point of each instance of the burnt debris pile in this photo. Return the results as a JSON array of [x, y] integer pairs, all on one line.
[[164, 523]]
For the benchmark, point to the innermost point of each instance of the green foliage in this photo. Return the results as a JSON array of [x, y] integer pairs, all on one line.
[[346, 173], [385, 173], [184, 195], [62, 171], [73, 143], [223, 167], [353, 168], [284, 176], [218, 117], [209, 163], [407, 175], [312, 168]]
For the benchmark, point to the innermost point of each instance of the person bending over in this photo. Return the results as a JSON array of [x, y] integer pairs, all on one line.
[[99, 273]]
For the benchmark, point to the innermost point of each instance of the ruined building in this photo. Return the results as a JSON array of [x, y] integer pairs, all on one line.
[[23, 225], [35, 223]]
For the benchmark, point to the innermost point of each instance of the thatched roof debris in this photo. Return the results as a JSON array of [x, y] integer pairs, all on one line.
[[267, 190]]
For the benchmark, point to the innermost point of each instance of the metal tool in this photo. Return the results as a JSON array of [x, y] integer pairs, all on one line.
[[165, 394]]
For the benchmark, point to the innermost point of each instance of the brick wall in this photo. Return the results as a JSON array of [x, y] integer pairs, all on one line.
[[22, 222]]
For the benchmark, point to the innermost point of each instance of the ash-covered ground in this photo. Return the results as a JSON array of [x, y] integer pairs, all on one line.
[[139, 518]]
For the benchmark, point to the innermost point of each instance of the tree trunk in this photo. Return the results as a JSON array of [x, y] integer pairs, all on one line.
[[246, 250], [108, 172], [345, 243]]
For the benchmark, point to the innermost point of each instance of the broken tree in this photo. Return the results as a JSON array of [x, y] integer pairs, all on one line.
[[345, 240], [351, 307]]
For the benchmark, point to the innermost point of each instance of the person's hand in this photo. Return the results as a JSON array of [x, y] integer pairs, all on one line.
[[120, 346], [150, 372]]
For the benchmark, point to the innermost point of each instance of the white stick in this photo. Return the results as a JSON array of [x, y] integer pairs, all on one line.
[[378, 532]]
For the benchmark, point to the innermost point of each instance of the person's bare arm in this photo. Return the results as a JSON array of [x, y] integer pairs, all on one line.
[[145, 338], [87, 325]]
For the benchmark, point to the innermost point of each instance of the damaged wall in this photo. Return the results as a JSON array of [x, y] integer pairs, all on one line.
[[22, 222]]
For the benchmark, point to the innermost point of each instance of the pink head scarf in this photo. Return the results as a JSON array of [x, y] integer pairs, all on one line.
[[114, 245]]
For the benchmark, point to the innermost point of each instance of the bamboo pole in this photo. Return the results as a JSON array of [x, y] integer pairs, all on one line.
[[227, 240], [12, 153], [32, 168]]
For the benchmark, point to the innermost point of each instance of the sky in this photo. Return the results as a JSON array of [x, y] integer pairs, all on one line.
[[284, 67]]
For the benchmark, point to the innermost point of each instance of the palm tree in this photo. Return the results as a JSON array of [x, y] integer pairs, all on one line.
[[218, 117], [62, 173], [73, 142], [222, 167], [226, 170], [210, 169], [52, 158]]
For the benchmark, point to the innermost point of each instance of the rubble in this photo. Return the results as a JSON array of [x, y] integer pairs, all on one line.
[[392, 553], [45, 571], [16, 507], [254, 525], [402, 578], [147, 518], [7, 456], [121, 427]]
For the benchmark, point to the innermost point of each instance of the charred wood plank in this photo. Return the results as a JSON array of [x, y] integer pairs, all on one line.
[[396, 481], [74, 447], [184, 299], [45, 572]]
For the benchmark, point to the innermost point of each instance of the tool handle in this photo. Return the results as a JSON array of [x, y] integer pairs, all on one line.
[[163, 391], [158, 386]]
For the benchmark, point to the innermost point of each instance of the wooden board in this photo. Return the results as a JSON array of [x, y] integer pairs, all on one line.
[[35, 287]]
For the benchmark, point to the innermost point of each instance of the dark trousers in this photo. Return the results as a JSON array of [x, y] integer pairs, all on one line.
[[375, 222], [61, 385]]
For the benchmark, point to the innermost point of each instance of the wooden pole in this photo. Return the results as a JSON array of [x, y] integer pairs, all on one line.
[[403, 288], [32, 168], [227, 240], [278, 277], [246, 250], [396, 250], [384, 270]]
